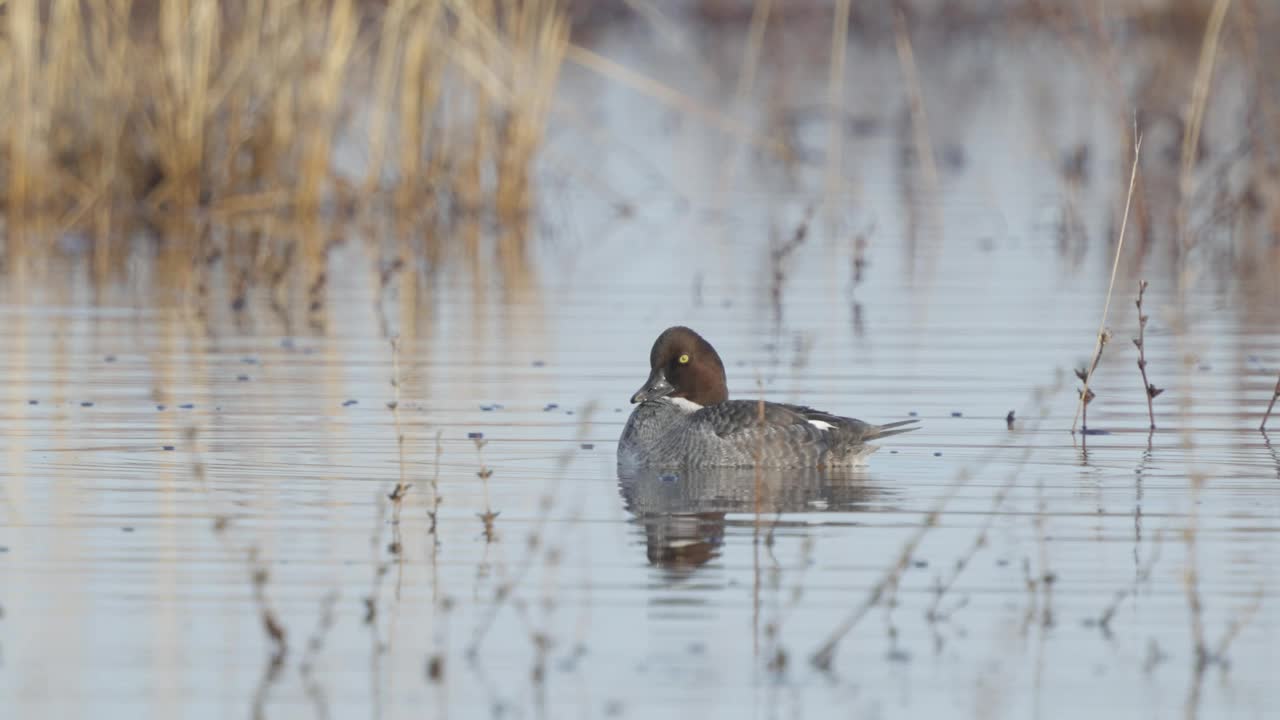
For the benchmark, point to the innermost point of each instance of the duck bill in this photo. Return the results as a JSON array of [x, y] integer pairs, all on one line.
[[654, 388]]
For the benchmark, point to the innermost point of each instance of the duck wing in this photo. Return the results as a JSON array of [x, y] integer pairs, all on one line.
[[851, 429], [751, 432], [734, 418]]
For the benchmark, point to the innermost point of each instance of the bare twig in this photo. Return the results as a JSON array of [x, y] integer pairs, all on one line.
[[484, 473], [1150, 390], [1115, 265], [1087, 395], [1275, 395], [402, 487], [824, 656]]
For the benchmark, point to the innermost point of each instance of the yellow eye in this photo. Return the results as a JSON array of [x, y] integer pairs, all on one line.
[[684, 359]]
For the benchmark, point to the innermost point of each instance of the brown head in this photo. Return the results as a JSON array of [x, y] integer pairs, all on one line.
[[683, 365]]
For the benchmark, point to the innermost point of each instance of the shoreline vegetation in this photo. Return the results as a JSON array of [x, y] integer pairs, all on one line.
[[180, 116], [172, 115]]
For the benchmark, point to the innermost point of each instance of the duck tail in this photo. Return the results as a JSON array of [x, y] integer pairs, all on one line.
[[893, 428]]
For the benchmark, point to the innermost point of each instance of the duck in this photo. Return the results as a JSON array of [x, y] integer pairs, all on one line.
[[685, 419]]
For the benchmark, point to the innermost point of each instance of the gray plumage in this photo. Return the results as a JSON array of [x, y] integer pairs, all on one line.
[[746, 433]]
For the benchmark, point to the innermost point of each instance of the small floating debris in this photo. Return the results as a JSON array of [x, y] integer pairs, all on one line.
[[86, 403], [349, 403], [168, 448], [549, 407], [33, 402], [110, 358], [898, 655], [392, 404], [893, 452], [617, 410], [920, 563], [538, 363], [491, 408], [913, 413], [126, 528], [475, 435], [187, 406], [160, 408], [956, 413], [938, 454], [588, 446]]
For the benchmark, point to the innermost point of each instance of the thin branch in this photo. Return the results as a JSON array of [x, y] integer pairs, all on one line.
[[1115, 265], [1274, 396], [1151, 391]]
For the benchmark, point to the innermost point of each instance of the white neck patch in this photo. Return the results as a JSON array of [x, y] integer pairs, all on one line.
[[685, 404]]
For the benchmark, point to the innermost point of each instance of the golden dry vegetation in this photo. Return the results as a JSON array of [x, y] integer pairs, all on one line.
[[127, 110]]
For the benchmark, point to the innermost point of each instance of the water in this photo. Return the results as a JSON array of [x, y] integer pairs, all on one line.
[[236, 466]]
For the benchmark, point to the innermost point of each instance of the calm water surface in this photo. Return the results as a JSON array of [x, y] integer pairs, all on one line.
[[174, 470]]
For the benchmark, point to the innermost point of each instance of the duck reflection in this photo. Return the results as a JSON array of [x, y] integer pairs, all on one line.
[[684, 513]]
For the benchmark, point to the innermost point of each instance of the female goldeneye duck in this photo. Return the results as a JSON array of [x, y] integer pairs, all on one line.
[[685, 418]]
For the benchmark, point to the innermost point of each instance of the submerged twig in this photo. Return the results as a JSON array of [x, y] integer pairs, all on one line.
[[504, 592], [1085, 395], [824, 656], [315, 644], [434, 513], [1144, 575], [778, 254], [1150, 390]]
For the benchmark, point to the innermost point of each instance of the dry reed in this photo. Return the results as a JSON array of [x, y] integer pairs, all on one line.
[[1195, 118], [1103, 335], [129, 110]]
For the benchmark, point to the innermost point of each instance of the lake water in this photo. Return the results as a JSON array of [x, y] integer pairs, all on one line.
[[194, 499]]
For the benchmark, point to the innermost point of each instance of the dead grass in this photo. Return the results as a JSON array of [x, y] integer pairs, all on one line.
[[128, 109]]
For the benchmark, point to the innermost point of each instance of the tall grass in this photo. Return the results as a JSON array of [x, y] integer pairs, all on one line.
[[156, 109]]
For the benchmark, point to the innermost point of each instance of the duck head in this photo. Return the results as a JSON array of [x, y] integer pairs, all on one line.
[[683, 365]]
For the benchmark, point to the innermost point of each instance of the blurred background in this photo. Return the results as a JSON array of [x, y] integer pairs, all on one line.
[[318, 320]]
